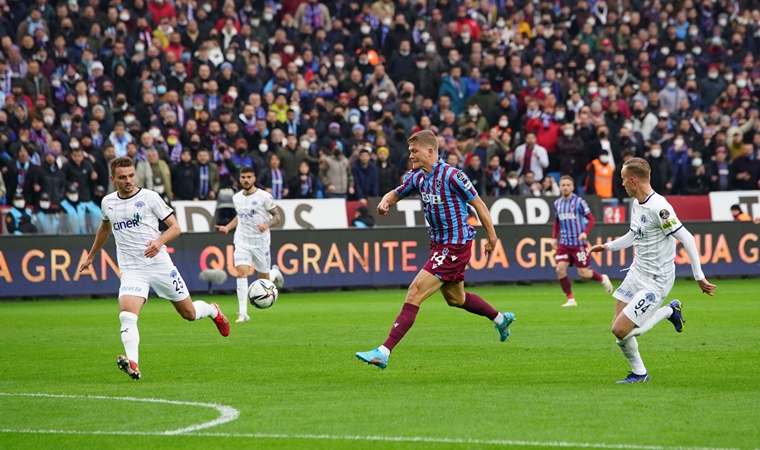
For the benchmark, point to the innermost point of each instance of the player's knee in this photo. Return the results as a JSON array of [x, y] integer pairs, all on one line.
[[188, 315], [561, 271], [412, 294], [453, 301], [584, 273], [619, 331]]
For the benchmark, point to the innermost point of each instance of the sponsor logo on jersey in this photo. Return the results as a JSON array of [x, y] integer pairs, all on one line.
[[138, 217], [432, 199], [643, 218], [139, 204], [566, 216], [168, 208], [669, 224], [664, 214], [124, 224]]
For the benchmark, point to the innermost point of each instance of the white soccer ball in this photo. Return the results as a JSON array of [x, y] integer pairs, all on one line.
[[262, 293]]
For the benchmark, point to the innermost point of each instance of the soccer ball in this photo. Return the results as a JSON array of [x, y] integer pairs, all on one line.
[[262, 293]]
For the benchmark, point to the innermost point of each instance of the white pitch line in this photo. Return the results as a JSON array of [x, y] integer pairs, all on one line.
[[429, 440], [226, 413]]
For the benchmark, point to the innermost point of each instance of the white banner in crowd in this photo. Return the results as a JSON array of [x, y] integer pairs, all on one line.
[[721, 202], [309, 214]]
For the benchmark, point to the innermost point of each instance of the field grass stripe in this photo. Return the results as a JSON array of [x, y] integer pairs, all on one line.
[[429, 440], [226, 413]]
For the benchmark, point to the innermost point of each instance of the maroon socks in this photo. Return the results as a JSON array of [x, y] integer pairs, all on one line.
[[403, 323], [596, 276], [565, 285], [476, 305]]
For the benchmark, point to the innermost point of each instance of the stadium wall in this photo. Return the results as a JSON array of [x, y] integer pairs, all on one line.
[[45, 266]]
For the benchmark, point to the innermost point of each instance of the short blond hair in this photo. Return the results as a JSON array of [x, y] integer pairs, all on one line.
[[425, 138], [638, 167]]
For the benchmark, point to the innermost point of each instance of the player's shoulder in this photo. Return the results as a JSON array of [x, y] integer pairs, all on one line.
[[108, 198], [656, 202]]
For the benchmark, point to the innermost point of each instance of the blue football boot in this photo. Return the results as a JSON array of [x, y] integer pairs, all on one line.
[[503, 329], [374, 357]]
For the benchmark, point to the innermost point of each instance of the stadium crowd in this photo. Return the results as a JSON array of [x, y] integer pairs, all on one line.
[[319, 98]]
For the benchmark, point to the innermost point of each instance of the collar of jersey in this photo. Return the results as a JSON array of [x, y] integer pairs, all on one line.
[[432, 169], [650, 196], [127, 198]]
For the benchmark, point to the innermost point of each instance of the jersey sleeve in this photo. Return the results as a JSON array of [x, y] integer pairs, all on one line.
[[583, 208], [103, 214], [666, 218], [160, 208], [407, 186], [462, 185], [269, 203]]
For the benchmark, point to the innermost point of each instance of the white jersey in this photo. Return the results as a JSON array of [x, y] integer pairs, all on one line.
[[653, 223], [134, 222], [252, 210]]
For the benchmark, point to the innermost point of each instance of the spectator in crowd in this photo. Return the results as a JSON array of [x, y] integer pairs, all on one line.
[[720, 171], [20, 176], [336, 174], [303, 184], [45, 217], [294, 154], [698, 176], [662, 176], [476, 174], [74, 213], [678, 153], [143, 173], [272, 179], [531, 157], [496, 176], [387, 173], [18, 221], [529, 186], [362, 218], [599, 176], [366, 182], [160, 171], [571, 154], [549, 187], [513, 184], [185, 177], [208, 176], [739, 215]]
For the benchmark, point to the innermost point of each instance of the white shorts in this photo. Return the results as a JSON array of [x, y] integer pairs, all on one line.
[[165, 280], [260, 257], [644, 294]]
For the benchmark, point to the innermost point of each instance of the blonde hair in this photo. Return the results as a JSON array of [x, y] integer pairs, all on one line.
[[425, 138], [638, 167], [567, 177]]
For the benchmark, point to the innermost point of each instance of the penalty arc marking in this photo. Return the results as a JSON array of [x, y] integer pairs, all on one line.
[[226, 413]]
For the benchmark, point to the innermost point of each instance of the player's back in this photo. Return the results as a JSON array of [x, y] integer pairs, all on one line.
[[571, 213], [653, 223], [134, 222], [445, 193], [252, 210]]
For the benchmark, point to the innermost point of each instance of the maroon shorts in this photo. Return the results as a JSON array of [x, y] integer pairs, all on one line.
[[576, 255], [448, 261]]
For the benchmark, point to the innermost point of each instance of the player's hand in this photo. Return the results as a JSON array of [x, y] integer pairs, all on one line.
[[706, 286], [153, 249], [554, 244], [382, 208], [582, 237], [490, 245], [756, 220], [86, 263], [263, 227], [222, 229], [598, 248]]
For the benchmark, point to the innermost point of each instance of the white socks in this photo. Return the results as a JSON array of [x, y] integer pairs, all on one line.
[[630, 349], [129, 334], [242, 294], [498, 320], [203, 309], [384, 350], [662, 313]]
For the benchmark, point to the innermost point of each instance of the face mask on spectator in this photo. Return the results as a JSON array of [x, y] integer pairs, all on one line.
[[590, 67], [74, 145], [559, 115], [19, 204], [712, 75], [425, 36], [500, 23], [697, 50], [421, 64], [626, 19], [365, 29], [656, 152], [377, 107], [56, 83], [722, 22], [48, 120], [155, 133], [465, 36], [568, 132], [691, 77], [305, 145], [275, 63], [604, 159], [255, 22], [231, 57], [512, 182], [473, 112], [353, 119], [161, 89], [728, 77], [159, 189], [503, 123], [255, 50], [403, 52], [339, 64], [661, 75], [672, 86], [678, 143], [44, 205], [382, 95], [430, 48], [696, 162], [593, 90], [546, 90], [263, 147], [73, 198], [628, 126], [665, 51], [741, 83], [387, 21], [139, 47]]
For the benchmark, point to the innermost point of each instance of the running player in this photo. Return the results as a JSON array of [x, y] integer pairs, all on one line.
[[569, 211], [133, 214], [256, 213], [445, 193], [653, 233]]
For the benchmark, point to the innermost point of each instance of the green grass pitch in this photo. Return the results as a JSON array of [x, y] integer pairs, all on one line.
[[292, 375]]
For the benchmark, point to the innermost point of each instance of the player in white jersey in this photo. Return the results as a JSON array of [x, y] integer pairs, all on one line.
[[654, 230], [256, 214], [133, 215]]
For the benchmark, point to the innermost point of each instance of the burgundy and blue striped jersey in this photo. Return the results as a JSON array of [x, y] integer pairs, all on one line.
[[445, 193], [571, 214]]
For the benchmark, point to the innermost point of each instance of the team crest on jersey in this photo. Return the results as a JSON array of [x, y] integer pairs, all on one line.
[[643, 218], [173, 274], [664, 214], [445, 251], [649, 297], [438, 185], [139, 204]]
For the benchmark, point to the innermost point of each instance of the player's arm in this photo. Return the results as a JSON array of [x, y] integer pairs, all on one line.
[[101, 236], [485, 219], [555, 231], [273, 221], [620, 243], [390, 199], [154, 246], [687, 239], [224, 229], [589, 226]]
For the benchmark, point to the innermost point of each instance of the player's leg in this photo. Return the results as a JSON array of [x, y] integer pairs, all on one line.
[[591, 274], [564, 280], [629, 347], [169, 284], [242, 292], [646, 320], [423, 286], [243, 257], [129, 310], [455, 296]]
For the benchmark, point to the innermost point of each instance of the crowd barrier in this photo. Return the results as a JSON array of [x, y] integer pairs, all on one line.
[[46, 266]]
